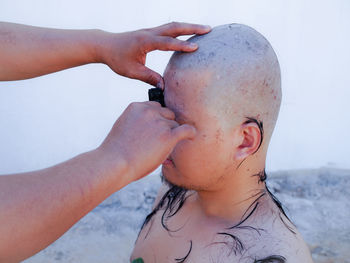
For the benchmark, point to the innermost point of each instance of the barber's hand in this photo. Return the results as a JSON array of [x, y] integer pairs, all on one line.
[[143, 137], [125, 53]]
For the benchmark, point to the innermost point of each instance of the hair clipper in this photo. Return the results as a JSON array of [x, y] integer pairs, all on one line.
[[156, 94]]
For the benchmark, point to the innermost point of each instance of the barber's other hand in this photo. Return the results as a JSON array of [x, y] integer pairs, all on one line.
[[143, 137], [125, 53]]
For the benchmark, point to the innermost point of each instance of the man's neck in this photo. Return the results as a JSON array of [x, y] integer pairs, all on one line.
[[234, 197]]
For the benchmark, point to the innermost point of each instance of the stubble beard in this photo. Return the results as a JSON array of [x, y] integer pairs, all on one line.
[[171, 184]]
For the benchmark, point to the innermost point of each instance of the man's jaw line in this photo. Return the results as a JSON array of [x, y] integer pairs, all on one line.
[[225, 204]]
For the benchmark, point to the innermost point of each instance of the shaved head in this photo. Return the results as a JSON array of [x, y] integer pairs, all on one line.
[[240, 74], [233, 78]]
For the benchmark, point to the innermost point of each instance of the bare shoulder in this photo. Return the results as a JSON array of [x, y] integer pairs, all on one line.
[[267, 238], [283, 244], [269, 247], [294, 247]]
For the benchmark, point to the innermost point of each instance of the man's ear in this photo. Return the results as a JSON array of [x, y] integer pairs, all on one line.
[[250, 140]]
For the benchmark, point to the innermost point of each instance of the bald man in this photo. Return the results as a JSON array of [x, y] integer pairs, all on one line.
[[214, 205]]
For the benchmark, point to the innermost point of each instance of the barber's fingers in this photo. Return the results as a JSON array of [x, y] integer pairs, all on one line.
[[152, 103], [171, 123], [172, 44], [183, 132], [147, 75], [176, 29], [166, 113]]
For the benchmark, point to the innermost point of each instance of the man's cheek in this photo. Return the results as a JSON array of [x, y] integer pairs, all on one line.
[[185, 153], [185, 146]]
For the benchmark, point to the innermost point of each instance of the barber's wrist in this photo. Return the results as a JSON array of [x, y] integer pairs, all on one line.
[[114, 169], [104, 46], [96, 45]]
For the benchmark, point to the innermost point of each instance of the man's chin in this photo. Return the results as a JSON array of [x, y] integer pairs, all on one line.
[[170, 182], [167, 180]]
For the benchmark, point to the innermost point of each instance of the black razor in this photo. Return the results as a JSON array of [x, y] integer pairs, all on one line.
[[156, 94]]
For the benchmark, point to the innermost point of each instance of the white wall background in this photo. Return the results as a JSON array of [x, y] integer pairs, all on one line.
[[49, 119]]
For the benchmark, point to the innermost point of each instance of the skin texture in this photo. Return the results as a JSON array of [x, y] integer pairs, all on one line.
[[38, 207], [215, 206]]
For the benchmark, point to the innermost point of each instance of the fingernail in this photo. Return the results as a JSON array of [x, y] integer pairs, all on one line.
[[192, 45], [207, 27], [160, 85]]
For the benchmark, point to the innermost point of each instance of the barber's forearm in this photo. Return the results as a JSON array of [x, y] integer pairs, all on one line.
[[36, 208], [27, 51]]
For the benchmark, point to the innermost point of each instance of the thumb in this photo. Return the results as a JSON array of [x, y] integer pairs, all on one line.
[[183, 132], [149, 76]]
